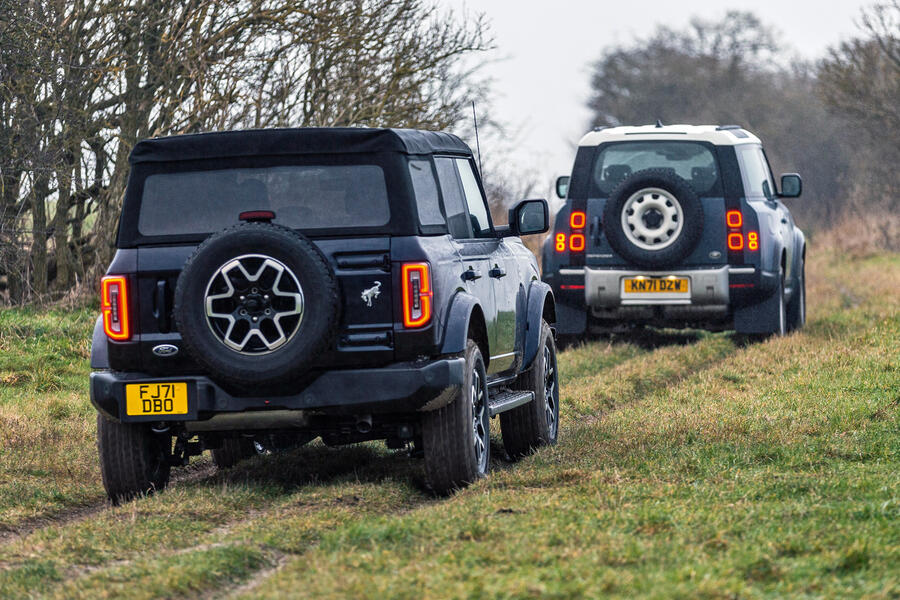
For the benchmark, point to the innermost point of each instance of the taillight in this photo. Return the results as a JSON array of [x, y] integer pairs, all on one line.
[[417, 294], [578, 219], [734, 219], [576, 242], [114, 304]]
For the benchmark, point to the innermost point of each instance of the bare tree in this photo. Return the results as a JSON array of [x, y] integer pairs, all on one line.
[[84, 80], [732, 71]]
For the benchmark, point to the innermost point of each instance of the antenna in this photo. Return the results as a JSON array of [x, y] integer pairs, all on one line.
[[477, 143]]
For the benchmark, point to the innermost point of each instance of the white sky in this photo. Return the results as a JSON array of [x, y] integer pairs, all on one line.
[[541, 64]]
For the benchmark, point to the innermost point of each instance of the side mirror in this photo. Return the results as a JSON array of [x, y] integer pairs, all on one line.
[[791, 185], [562, 186], [528, 217]]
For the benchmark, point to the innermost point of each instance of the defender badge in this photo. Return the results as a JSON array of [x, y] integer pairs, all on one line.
[[165, 350], [371, 293]]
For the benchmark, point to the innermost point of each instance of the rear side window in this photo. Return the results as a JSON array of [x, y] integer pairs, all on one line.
[[689, 160], [454, 201], [755, 171], [302, 197], [475, 201], [425, 187]]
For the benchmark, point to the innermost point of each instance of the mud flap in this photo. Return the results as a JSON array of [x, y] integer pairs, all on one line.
[[570, 320], [762, 317]]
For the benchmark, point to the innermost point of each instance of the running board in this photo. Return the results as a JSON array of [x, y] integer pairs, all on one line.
[[508, 400]]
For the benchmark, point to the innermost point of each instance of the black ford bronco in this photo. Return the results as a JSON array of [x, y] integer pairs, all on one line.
[[271, 287], [675, 226]]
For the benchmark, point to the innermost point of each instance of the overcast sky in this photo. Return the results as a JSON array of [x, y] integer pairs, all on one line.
[[541, 64]]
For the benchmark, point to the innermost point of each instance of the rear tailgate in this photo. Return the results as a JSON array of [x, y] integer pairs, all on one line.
[[579, 238], [364, 278]]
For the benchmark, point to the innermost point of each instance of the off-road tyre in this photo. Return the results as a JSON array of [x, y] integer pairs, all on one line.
[[448, 433], [233, 451], [686, 239], [530, 426], [134, 461], [796, 308], [317, 327], [781, 328]]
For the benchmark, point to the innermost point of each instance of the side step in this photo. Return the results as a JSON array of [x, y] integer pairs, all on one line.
[[508, 400]]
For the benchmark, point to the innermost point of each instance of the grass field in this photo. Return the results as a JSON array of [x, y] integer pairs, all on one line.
[[690, 465]]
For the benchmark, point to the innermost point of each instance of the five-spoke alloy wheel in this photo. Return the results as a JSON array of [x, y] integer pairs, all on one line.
[[254, 304]]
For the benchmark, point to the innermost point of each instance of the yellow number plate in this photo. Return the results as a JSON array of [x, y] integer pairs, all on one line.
[[656, 285], [156, 399]]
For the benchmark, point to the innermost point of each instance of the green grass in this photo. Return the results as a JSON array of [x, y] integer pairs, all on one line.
[[690, 465]]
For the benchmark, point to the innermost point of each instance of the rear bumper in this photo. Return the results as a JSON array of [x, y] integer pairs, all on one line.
[[399, 388], [717, 287]]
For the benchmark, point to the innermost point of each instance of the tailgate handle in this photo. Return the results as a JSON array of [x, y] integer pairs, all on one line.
[[160, 310], [378, 261]]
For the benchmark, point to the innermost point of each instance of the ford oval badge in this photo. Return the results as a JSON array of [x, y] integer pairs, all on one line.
[[165, 350]]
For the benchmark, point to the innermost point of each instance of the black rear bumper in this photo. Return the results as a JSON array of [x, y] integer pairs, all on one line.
[[398, 388]]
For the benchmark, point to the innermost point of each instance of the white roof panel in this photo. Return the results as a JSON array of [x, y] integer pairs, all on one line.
[[706, 133]]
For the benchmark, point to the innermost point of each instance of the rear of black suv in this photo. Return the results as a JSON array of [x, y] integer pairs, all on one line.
[[270, 287]]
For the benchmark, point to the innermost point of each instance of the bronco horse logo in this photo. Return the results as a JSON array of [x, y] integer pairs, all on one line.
[[371, 293]]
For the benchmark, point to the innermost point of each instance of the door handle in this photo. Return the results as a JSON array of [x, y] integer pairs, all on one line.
[[160, 310], [497, 272], [471, 274]]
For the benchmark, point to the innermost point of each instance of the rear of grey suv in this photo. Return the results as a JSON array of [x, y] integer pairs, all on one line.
[[675, 226]]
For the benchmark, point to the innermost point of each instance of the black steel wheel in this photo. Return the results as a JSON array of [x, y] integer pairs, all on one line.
[[530, 426], [457, 437]]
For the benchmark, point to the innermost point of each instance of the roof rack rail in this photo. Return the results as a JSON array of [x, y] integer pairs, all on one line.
[[727, 127], [601, 127]]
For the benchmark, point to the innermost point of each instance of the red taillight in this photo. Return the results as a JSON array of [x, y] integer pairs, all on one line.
[[417, 294], [735, 221], [578, 219], [735, 241], [576, 242], [114, 304], [560, 242], [753, 240]]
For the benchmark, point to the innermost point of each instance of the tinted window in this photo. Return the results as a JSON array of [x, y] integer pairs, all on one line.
[[302, 197], [755, 171], [481, 223], [454, 201], [690, 161], [425, 188]]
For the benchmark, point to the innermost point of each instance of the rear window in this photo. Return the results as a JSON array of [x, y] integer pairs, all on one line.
[[690, 161], [301, 196]]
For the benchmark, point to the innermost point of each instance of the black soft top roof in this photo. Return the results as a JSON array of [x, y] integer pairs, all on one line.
[[308, 140]]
